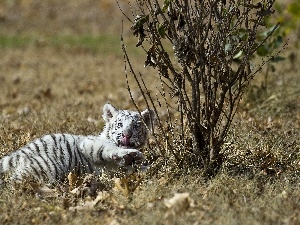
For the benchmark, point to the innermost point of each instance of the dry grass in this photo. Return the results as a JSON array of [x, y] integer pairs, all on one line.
[[50, 84]]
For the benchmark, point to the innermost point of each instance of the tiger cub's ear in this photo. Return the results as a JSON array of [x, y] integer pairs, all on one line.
[[148, 116], [109, 111]]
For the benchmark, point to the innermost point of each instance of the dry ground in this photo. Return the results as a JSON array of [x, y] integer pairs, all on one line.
[[60, 61]]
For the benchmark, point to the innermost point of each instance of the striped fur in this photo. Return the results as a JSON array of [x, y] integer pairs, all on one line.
[[51, 157]]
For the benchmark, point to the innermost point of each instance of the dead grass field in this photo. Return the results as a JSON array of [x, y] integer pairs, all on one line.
[[60, 61]]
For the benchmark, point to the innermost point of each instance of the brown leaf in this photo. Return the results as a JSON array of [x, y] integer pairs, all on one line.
[[86, 187], [91, 204], [42, 191], [74, 181], [180, 202], [128, 184]]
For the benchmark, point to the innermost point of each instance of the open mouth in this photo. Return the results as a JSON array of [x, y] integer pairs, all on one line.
[[125, 143]]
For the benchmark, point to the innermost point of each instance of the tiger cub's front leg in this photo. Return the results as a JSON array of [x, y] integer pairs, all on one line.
[[102, 151]]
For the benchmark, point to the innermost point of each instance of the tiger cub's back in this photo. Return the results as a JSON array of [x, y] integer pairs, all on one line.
[[50, 157]]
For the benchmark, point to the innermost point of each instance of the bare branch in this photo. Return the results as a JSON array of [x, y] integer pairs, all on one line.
[[202, 51]]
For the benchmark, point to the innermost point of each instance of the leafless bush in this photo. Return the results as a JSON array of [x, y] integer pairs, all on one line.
[[203, 52]]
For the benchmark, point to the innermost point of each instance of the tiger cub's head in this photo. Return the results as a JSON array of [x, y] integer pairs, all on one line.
[[126, 128]]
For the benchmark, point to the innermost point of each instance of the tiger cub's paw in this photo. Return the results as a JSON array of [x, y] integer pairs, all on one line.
[[128, 157]]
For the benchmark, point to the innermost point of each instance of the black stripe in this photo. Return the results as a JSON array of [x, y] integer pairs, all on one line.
[[45, 146], [16, 159], [54, 139], [69, 150], [100, 153], [38, 163], [55, 168], [10, 161], [62, 159], [61, 151], [78, 156], [86, 162], [54, 146], [78, 165], [36, 146], [34, 170], [91, 153], [43, 173], [75, 159], [25, 153], [87, 165], [50, 159], [46, 163], [44, 149]]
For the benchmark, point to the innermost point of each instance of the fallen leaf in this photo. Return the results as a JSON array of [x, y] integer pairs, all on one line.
[[114, 222], [42, 191], [88, 186], [180, 202], [73, 181], [90, 204], [128, 184]]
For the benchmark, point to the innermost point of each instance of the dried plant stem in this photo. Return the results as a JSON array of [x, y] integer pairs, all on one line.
[[203, 78]]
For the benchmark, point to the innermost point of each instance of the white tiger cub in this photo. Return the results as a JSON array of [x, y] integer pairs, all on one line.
[[51, 157]]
